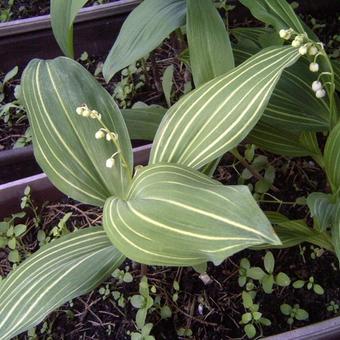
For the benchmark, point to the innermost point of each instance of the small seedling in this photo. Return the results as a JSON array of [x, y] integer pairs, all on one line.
[[122, 275], [176, 288], [316, 252], [143, 302], [252, 318], [293, 313], [333, 307], [11, 235], [266, 278], [184, 332], [310, 284]]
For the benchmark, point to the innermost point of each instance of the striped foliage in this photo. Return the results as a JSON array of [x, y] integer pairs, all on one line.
[[60, 271], [209, 45], [322, 209], [277, 13], [217, 116], [144, 29], [332, 159], [63, 14], [336, 231], [286, 109], [336, 69], [294, 232], [283, 142], [177, 216], [64, 142], [142, 122]]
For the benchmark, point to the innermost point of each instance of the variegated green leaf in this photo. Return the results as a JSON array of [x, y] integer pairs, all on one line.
[[64, 142], [286, 109], [335, 231], [210, 49], [60, 271], [294, 232], [332, 158], [322, 209], [277, 13], [177, 216], [63, 13], [144, 29], [217, 116], [143, 122], [283, 142], [336, 69]]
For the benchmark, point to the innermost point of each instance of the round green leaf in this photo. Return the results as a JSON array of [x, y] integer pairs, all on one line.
[[282, 279]]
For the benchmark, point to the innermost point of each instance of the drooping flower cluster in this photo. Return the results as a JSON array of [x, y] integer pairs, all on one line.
[[103, 132], [309, 48]]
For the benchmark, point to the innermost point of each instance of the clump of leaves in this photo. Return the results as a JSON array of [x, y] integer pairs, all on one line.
[[310, 284], [294, 313], [266, 278], [132, 79], [252, 318]]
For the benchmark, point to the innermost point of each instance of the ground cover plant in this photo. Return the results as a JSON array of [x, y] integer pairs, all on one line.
[[171, 212]]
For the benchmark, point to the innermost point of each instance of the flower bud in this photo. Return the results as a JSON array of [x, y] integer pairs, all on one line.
[[312, 50], [303, 50], [284, 34], [316, 85], [110, 163], [79, 110], [100, 134], [320, 93], [108, 137], [296, 42], [86, 112], [314, 67]]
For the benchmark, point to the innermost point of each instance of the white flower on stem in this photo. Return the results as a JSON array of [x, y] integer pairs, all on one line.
[[285, 34], [303, 50], [86, 112], [320, 93], [312, 50], [100, 134], [316, 85], [108, 137], [110, 163], [314, 67]]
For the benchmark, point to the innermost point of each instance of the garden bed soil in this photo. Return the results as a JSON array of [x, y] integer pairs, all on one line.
[[211, 311]]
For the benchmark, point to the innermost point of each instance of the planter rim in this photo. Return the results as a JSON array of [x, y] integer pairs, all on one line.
[[43, 22], [327, 329]]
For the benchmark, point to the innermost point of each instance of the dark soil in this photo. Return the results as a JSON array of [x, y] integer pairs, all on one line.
[[211, 311]]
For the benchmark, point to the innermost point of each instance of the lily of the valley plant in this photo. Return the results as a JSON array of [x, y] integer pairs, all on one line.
[[171, 212]]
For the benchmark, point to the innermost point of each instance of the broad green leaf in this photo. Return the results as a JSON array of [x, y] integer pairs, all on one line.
[[283, 142], [322, 209], [144, 29], [143, 122], [64, 142], [256, 38], [335, 231], [209, 45], [336, 69], [167, 83], [63, 13], [332, 158], [60, 271], [197, 219], [217, 116], [277, 13], [286, 109], [294, 232]]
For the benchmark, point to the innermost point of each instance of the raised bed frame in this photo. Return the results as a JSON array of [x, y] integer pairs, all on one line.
[[26, 39]]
